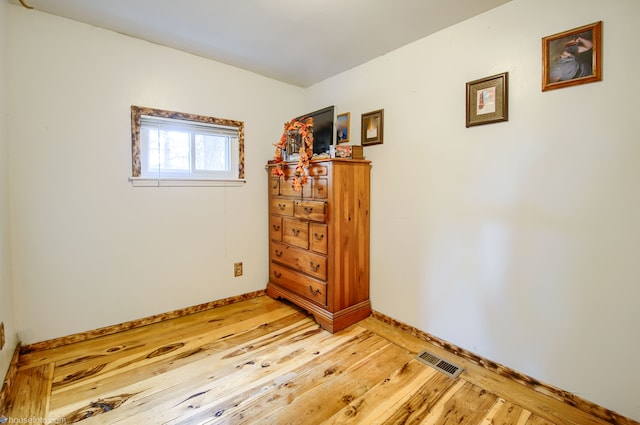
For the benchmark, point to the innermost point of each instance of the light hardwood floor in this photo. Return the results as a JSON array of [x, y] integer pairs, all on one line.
[[263, 361]]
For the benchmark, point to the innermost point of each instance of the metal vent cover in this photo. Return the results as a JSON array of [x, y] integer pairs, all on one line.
[[440, 364]]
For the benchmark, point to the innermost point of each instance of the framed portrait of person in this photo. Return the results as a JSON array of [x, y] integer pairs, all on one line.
[[572, 57]]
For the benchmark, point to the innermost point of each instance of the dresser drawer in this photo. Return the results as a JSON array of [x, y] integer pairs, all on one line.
[[275, 227], [318, 237], [302, 285], [320, 188], [307, 262], [274, 185], [287, 189], [295, 232], [282, 206], [310, 210], [317, 170]]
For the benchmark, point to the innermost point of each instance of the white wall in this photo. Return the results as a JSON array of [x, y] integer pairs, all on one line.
[[517, 240], [6, 288], [89, 249]]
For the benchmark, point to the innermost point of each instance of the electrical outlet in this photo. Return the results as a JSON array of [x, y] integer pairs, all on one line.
[[1, 335], [237, 269]]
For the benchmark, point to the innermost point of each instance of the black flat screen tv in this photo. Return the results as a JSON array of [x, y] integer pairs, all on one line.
[[323, 129]]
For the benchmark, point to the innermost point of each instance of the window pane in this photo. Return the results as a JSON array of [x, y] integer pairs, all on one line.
[[211, 152], [170, 152], [185, 147], [149, 154]]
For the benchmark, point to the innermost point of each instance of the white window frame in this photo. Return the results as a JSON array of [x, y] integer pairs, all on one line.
[[143, 116]]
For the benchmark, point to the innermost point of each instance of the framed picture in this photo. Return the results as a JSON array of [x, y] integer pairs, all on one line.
[[572, 57], [342, 127], [294, 143], [487, 100], [372, 128]]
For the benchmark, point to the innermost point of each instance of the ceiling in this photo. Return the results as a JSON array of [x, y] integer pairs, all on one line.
[[297, 42]]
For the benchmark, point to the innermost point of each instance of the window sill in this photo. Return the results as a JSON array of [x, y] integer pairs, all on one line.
[[184, 182]]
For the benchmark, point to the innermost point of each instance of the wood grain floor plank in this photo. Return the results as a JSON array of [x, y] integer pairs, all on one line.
[[262, 361], [467, 405], [149, 363], [421, 401], [31, 395], [156, 376], [549, 408], [259, 367], [73, 373], [338, 390], [537, 420], [214, 318], [506, 413], [258, 400], [395, 390], [257, 403]]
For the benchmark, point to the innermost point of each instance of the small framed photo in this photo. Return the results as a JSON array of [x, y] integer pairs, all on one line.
[[487, 100], [572, 57], [372, 128], [343, 127], [294, 143]]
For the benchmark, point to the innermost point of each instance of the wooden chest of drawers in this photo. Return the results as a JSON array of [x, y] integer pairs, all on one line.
[[319, 241]]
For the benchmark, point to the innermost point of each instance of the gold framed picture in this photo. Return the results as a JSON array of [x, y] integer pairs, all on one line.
[[343, 127], [572, 57], [372, 128], [487, 100]]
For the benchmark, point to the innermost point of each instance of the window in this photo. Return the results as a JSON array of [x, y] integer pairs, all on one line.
[[177, 149]]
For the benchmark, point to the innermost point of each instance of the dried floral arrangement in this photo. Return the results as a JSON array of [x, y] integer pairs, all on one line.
[[303, 127]]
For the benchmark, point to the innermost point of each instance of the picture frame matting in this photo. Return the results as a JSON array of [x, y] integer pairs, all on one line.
[[372, 126], [487, 100]]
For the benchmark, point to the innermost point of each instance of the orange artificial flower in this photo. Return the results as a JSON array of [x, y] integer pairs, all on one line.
[[305, 128]]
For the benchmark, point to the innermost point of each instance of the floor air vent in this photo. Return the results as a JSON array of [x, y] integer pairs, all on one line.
[[439, 364]]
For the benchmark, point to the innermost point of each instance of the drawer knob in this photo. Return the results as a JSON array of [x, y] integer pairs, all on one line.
[[308, 210], [281, 207], [295, 232], [314, 292], [278, 253], [318, 237], [314, 267], [277, 275], [276, 227]]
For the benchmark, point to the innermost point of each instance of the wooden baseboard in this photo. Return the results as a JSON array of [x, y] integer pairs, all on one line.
[[108, 330], [529, 382], [9, 377]]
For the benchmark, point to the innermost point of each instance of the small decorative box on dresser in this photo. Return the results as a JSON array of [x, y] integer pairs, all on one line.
[[319, 240]]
